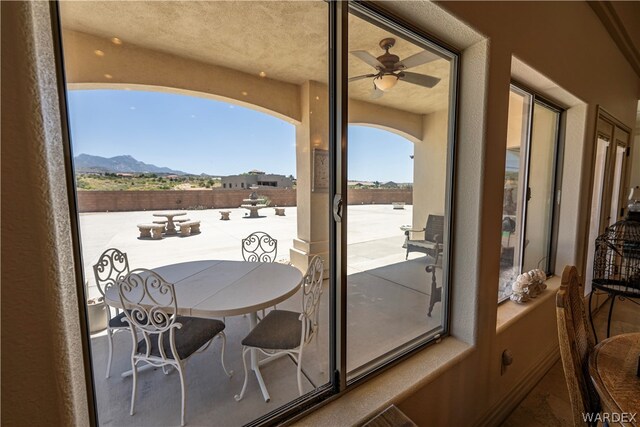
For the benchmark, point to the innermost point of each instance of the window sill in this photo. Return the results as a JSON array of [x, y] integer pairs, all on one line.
[[392, 386], [509, 312]]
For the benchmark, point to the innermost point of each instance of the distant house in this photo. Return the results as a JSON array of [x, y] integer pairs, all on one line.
[[256, 178], [125, 175]]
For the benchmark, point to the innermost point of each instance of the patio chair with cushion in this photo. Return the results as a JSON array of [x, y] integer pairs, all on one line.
[[168, 340], [431, 243], [283, 332], [576, 344], [259, 247], [112, 266]]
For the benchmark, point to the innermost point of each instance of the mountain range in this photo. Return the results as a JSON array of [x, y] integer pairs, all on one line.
[[124, 164]]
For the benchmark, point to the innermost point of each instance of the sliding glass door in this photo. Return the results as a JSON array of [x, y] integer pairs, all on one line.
[[401, 98]]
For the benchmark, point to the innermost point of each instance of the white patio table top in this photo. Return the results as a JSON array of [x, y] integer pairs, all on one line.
[[217, 288]]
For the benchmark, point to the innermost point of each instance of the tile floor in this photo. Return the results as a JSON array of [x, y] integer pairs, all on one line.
[[547, 405]]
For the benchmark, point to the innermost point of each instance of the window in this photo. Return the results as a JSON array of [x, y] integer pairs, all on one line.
[[529, 201], [400, 140], [179, 121]]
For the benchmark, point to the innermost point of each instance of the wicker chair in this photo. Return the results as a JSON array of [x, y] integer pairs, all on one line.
[[576, 344]]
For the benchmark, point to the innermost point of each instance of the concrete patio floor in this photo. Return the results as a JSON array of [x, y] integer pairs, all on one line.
[[387, 303]]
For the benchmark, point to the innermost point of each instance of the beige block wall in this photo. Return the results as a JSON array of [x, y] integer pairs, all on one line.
[[123, 201]]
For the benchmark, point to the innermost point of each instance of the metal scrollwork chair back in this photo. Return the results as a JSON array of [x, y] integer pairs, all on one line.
[[112, 266], [259, 247], [168, 340], [283, 332]]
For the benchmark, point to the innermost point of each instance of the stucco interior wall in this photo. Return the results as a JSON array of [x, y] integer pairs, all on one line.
[[43, 380], [564, 54]]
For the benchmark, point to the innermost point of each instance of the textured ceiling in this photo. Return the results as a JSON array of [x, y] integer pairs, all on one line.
[[285, 39]]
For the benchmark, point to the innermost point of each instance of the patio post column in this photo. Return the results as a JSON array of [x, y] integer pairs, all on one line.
[[312, 196], [430, 168]]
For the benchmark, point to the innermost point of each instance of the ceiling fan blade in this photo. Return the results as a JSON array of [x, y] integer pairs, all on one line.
[[364, 76], [418, 59], [376, 93], [365, 56], [419, 79]]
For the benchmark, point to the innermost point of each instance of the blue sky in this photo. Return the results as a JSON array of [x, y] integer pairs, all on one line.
[[198, 135]]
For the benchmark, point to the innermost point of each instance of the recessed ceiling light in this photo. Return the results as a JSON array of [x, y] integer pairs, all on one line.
[[244, 93], [98, 52], [263, 74], [116, 41], [317, 98], [108, 76]]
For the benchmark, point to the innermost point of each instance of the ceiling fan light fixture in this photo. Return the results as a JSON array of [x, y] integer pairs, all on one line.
[[386, 81]]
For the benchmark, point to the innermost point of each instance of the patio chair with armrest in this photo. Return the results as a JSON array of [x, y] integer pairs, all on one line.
[[112, 266], [168, 340], [431, 243], [281, 332]]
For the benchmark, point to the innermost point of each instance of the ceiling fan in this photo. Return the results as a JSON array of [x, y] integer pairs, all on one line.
[[390, 69]]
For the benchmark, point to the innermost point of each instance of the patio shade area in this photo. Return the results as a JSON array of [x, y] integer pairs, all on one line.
[[388, 298]]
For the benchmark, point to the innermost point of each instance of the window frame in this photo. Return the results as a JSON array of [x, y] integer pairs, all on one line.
[[380, 17], [556, 177], [337, 384]]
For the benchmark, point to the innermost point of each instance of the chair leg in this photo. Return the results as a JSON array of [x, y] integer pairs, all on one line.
[[134, 372], [300, 372], [239, 397], [223, 336], [110, 339], [179, 368]]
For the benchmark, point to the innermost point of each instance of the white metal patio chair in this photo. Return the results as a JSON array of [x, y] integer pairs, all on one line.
[[168, 340], [112, 266], [281, 332], [259, 247]]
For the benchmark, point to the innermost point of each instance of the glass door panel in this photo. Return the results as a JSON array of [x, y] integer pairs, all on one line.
[[398, 168], [540, 193], [514, 184], [219, 111], [614, 213], [602, 149]]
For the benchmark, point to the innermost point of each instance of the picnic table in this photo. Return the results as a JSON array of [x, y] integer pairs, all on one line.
[[171, 227]]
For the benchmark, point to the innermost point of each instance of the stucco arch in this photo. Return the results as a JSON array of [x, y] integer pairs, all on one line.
[[130, 66], [403, 123]]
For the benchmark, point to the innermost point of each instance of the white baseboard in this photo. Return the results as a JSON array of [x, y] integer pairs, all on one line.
[[499, 412]]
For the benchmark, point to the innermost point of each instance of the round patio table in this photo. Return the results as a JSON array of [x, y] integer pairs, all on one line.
[[171, 227], [614, 366], [216, 288]]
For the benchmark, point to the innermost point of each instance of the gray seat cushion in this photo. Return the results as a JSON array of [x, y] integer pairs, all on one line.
[[279, 330], [195, 332], [118, 321]]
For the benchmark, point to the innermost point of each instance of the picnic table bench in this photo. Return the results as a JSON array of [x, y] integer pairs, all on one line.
[[188, 228], [151, 231]]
